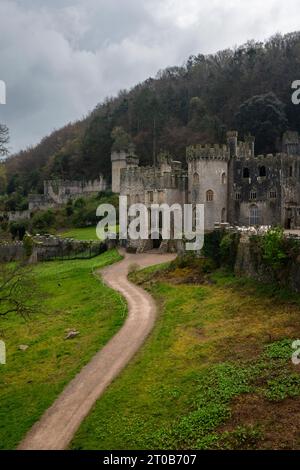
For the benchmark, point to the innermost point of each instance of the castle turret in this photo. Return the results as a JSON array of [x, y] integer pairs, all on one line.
[[122, 156], [121, 159], [232, 141], [290, 143]]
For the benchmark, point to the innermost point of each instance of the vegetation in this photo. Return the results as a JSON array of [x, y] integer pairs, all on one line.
[[80, 213], [216, 372], [70, 296], [16, 287], [4, 139], [248, 88]]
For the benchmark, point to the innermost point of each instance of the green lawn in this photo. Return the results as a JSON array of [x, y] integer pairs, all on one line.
[[70, 296], [215, 373], [86, 234]]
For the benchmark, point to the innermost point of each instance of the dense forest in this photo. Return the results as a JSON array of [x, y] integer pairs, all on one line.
[[247, 88]]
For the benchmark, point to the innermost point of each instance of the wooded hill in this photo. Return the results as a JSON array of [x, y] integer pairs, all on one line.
[[247, 88]]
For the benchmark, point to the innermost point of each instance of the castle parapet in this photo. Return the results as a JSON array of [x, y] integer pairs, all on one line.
[[207, 152]]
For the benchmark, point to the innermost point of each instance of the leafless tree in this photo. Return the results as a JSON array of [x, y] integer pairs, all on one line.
[[4, 139], [17, 288]]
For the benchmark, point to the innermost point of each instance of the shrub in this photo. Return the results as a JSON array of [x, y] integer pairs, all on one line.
[[272, 245], [18, 229], [228, 249], [43, 221]]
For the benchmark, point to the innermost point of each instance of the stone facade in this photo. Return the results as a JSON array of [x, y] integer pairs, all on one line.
[[58, 192], [234, 185]]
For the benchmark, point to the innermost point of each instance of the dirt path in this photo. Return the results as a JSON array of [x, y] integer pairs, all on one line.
[[60, 422]]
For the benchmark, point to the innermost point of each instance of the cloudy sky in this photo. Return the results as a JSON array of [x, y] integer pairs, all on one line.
[[59, 58]]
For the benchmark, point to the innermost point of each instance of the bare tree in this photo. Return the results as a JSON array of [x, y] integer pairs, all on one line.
[[17, 288], [4, 139]]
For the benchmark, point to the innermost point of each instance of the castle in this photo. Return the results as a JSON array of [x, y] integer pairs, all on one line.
[[57, 192], [234, 185]]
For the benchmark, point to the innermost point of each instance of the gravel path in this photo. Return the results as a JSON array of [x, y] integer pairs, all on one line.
[[59, 423]]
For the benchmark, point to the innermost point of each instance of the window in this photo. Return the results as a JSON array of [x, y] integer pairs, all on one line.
[[246, 173], [223, 215], [137, 198], [224, 178], [253, 195], [209, 195], [253, 215], [150, 196], [262, 171], [273, 195], [196, 178], [291, 171], [237, 196]]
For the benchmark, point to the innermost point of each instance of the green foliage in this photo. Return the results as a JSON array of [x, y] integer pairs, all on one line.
[[228, 249], [42, 221], [284, 386], [211, 248], [18, 229], [272, 245], [28, 245], [264, 117]]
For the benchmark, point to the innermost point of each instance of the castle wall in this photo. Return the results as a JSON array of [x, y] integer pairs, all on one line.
[[250, 192], [207, 176], [60, 191]]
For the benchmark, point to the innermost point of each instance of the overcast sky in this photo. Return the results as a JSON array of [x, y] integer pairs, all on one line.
[[59, 58]]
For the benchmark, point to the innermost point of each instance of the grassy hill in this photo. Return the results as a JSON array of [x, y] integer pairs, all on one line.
[[216, 373], [69, 296]]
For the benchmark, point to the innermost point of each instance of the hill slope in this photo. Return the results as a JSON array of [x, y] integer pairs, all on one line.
[[248, 88]]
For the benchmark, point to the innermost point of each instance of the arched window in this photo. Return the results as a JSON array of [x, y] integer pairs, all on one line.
[[196, 179], [224, 178], [262, 171], [246, 173], [137, 199], [223, 215], [209, 195], [253, 215]]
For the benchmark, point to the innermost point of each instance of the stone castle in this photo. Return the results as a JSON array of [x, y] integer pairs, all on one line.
[[58, 192], [235, 186]]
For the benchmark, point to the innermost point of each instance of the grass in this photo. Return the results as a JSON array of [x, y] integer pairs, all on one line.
[[70, 296], [85, 234], [216, 372]]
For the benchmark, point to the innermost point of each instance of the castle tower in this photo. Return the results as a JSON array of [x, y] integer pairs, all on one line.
[[121, 159], [290, 143], [208, 181], [232, 141]]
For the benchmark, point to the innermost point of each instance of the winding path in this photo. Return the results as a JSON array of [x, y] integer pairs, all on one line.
[[59, 423]]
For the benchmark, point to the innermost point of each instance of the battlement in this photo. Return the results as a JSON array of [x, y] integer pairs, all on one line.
[[207, 152]]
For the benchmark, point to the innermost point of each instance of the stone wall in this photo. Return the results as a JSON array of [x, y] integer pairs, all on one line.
[[248, 264], [10, 251], [14, 216]]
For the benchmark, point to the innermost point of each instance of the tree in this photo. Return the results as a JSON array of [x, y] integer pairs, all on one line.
[[4, 139], [264, 117], [16, 290]]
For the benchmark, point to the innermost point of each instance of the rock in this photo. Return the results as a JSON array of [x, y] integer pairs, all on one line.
[[71, 334], [23, 347]]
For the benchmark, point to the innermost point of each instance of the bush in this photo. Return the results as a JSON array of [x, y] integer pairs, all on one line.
[[211, 248], [272, 246], [43, 221], [18, 229], [228, 249]]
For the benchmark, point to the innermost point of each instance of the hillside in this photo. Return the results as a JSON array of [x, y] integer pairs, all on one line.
[[247, 88]]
